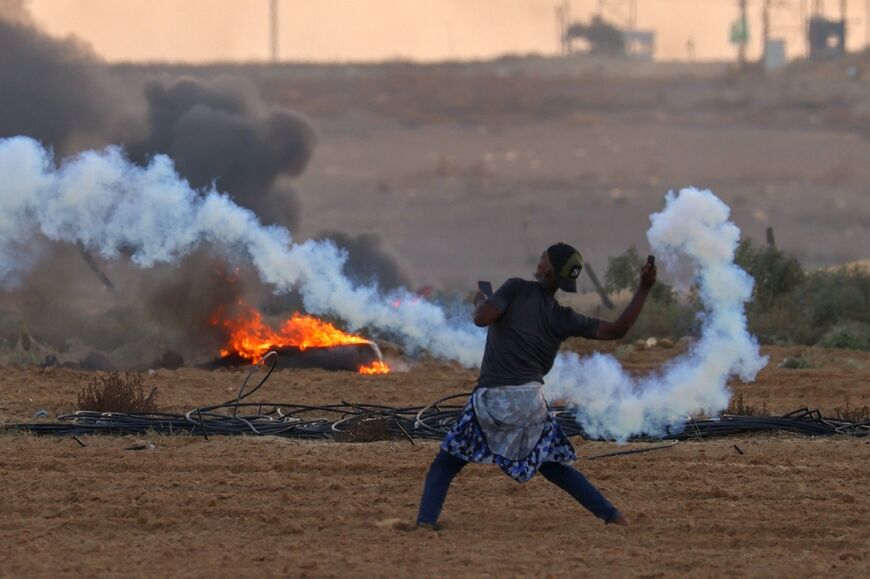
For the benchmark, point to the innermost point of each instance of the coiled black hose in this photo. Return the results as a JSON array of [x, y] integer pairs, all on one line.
[[432, 422]]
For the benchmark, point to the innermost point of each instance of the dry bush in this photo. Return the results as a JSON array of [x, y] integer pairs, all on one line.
[[367, 429], [117, 393], [851, 413], [737, 407], [797, 363]]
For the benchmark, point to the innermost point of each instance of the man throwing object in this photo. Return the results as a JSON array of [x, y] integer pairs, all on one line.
[[506, 421]]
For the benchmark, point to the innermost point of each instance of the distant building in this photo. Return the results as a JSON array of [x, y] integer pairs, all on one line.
[[601, 37], [774, 54], [640, 43], [826, 38]]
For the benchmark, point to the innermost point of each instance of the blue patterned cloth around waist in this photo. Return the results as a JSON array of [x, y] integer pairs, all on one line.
[[509, 426], [512, 418]]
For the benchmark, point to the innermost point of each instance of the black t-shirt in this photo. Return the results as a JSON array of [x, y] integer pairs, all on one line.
[[522, 344]]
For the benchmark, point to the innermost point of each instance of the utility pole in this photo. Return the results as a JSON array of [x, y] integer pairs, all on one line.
[[741, 45], [781, 18], [805, 30], [843, 11], [765, 29], [273, 29], [563, 20]]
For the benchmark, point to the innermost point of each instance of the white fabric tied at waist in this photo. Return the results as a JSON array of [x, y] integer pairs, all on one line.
[[512, 418]]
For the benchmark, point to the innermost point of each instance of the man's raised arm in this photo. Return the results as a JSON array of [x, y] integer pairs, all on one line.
[[484, 312], [619, 328]]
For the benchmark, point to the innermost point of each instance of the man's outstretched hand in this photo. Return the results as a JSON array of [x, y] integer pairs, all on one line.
[[648, 274]]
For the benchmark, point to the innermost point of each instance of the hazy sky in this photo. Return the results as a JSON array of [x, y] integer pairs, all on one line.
[[350, 30]]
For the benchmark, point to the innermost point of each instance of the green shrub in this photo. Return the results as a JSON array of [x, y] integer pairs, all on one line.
[[851, 335], [783, 324], [622, 271], [836, 296], [789, 306], [775, 273], [830, 308]]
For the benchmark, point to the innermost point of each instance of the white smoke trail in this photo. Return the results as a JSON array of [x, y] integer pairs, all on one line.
[[692, 230], [109, 205]]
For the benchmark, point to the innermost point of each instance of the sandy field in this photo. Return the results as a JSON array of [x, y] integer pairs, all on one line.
[[245, 506]]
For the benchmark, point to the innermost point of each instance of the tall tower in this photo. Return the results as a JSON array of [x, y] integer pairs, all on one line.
[[273, 30], [622, 13], [743, 34], [784, 18], [563, 20]]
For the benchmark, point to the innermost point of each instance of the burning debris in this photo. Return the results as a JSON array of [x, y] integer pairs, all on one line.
[[301, 341]]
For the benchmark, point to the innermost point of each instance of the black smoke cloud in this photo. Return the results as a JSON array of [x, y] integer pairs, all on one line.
[[223, 134], [52, 90], [219, 132]]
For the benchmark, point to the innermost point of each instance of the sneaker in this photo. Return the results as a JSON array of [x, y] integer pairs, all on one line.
[[618, 520]]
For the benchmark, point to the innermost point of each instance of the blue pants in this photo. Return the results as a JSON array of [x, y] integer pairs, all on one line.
[[446, 466]]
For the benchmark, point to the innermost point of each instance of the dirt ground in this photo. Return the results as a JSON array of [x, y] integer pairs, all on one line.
[[245, 506]]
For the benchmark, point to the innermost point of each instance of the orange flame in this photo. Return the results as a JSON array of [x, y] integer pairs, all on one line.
[[376, 367], [250, 337]]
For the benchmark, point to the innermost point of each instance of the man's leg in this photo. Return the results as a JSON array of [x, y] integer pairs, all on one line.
[[575, 484], [441, 473]]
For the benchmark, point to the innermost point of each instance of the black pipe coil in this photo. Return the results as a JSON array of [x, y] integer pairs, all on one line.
[[432, 422]]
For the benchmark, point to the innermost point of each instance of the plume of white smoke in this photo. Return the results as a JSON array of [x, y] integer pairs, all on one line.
[[109, 205], [693, 230]]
